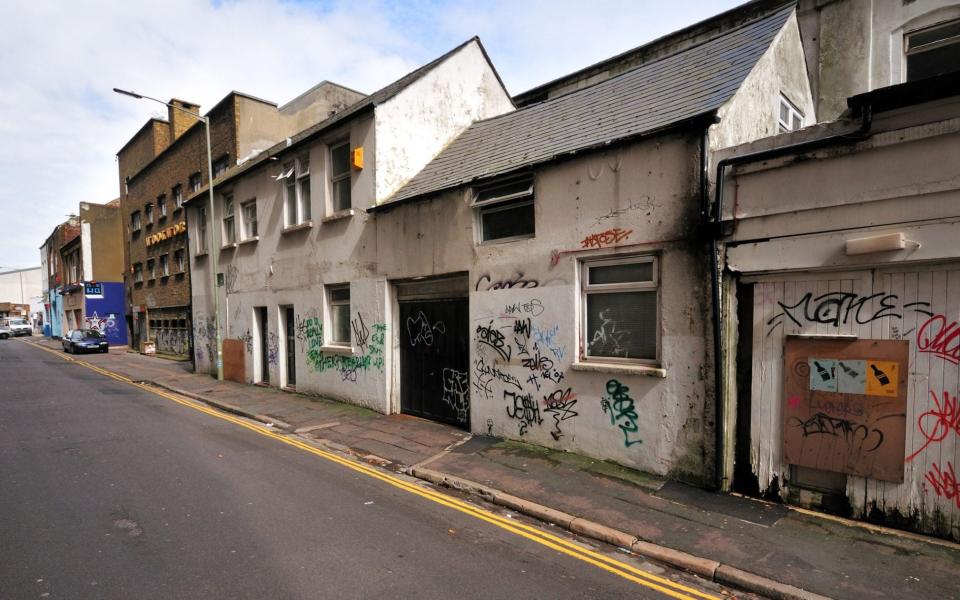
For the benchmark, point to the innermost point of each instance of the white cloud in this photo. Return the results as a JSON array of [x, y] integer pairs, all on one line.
[[60, 124]]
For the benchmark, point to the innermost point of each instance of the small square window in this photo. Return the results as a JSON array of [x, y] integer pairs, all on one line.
[[621, 321], [505, 209], [340, 176], [789, 118], [338, 297]]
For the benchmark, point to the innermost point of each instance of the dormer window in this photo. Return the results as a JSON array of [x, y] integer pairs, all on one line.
[[505, 209], [789, 118]]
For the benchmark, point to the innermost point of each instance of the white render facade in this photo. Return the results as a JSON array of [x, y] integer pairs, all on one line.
[[513, 312]]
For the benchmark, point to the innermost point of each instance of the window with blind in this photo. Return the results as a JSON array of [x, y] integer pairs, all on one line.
[[621, 320], [338, 297]]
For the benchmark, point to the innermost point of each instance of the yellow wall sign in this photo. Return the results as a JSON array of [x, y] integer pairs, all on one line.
[[882, 378], [165, 234]]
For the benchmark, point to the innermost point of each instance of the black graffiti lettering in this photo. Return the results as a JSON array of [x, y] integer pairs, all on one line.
[[534, 307], [360, 332], [841, 308], [518, 281], [560, 405], [824, 424], [489, 336], [523, 408], [538, 362]]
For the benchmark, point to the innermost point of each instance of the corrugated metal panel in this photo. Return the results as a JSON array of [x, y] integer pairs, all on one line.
[[687, 84]]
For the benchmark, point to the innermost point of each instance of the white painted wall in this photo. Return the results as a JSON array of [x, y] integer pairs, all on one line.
[[752, 112], [801, 213], [413, 126], [21, 286]]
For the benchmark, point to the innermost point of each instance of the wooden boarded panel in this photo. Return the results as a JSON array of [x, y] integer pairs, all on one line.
[[845, 405], [234, 361]]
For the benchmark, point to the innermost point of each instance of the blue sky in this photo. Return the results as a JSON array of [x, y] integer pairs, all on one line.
[[61, 125]]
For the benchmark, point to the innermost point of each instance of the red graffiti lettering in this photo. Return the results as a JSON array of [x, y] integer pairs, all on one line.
[[939, 338], [605, 238], [944, 482], [937, 423]]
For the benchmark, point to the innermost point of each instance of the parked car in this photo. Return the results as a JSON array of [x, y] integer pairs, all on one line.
[[19, 326], [4, 332], [85, 340]]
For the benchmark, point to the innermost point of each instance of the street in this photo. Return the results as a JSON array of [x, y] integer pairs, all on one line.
[[110, 491]]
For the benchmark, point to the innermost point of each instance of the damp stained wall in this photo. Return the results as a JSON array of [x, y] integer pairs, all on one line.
[[805, 283], [530, 386]]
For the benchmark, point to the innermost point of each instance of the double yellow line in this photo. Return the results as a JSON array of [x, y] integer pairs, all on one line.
[[631, 573]]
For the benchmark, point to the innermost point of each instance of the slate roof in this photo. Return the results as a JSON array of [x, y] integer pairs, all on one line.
[[693, 82], [373, 100]]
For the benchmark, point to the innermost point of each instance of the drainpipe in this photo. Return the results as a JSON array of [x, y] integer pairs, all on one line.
[[715, 221]]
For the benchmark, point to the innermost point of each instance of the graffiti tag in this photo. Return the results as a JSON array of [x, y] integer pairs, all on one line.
[[421, 331], [824, 424], [524, 409], [609, 237], [516, 281], [944, 482], [940, 338], [937, 423], [840, 308], [622, 411]]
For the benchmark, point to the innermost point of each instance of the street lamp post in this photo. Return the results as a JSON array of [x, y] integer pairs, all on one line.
[[216, 233]]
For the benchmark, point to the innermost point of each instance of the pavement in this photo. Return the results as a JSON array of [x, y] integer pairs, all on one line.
[[765, 548]]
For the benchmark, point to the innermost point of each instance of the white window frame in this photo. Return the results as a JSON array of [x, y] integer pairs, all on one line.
[[302, 175], [151, 269], [792, 112], [337, 179], [179, 257], [498, 203], [164, 265], [586, 288], [161, 206], [201, 230], [148, 213], [177, 193], [229, 219], [331, 303], [245, 222]]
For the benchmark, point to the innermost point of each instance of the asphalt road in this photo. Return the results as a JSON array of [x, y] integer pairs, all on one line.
[[110, 491]]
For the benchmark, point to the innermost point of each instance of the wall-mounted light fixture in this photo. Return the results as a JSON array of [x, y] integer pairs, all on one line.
[[888, 242]]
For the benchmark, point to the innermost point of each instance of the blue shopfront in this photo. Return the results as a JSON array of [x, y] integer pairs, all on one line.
[[103, 310]]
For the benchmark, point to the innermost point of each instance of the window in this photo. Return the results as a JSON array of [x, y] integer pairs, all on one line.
[[178, 260], [338, 297], [135, 221], [148, 212], [162, 205], [195, 182], [138, 273], [177, 193], [621, 319], [933, 51], [229, 231], [505, 209], [248, 212], [201, 230], [340, 176], [221, 165], [789, 118], [296, 184], [164, 265], [303, 187], [152, 268]]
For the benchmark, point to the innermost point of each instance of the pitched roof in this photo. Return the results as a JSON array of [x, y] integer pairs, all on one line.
[[373, 100], [693, 82]]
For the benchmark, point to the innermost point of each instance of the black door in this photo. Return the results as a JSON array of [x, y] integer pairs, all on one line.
[[264, 353], [291, 347], [434, 382]]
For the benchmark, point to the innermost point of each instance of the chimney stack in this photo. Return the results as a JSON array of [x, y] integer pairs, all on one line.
[[179, 120]]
